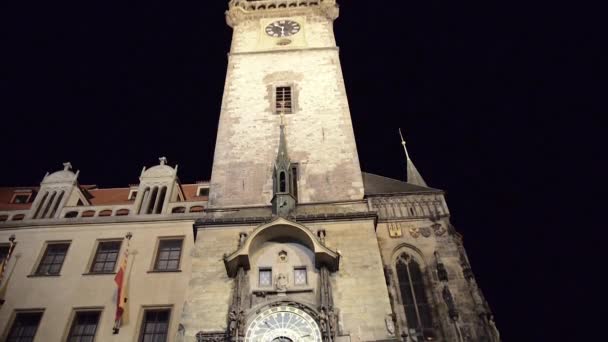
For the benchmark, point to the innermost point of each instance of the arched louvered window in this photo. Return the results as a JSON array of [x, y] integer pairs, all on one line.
[[152, 200], [40, 205], [56, 206], [48, 205], [161, 200], [144, 199], [413, 297]]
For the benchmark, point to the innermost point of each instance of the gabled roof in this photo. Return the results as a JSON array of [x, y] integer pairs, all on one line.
[[377, 185]]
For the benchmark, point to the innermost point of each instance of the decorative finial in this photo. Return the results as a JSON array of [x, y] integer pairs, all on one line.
[[67, 166], [282, 119], [407, 155], [163, 160], [129, 236], [12, 238]]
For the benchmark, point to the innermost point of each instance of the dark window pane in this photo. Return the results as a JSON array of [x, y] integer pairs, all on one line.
[[155, 326], [24, 327], [413, 294], [53, 258], [168, 255], [84, 326], [106, 256]]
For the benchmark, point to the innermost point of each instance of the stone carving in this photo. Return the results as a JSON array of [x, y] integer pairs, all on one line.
[[242, 238], [236, 315], [394, 230], [283, 257], [438, 229], [321, 234], [442, 273], [415, 232], [211, 337], [390, 324], [425, 231], [449, 300], [281, 282]]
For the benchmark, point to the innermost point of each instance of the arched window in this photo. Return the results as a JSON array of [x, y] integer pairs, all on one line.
[[48, 205], [152, 201], [56, 206], [161, 200], [282, 183], [41, 204], [413, 296]]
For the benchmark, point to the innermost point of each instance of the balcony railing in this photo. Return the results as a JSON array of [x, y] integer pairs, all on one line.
[[275, 4]]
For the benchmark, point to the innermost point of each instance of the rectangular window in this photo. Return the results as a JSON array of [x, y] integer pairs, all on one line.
[[299, 276], [106, 257], [24, 327], [3, 252], [294, 180], [84, 326], [155, 325], [283, 100], [20, 198], [53, 259], [168, 255], [265, 277], [202, 191]]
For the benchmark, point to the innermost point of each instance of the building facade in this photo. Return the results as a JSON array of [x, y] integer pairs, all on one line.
[[288, 241]]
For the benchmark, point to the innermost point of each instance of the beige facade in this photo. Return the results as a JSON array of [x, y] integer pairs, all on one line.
[[289, 241]]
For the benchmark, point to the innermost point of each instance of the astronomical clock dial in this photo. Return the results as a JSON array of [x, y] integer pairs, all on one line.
[[282, 28], [283, 324]]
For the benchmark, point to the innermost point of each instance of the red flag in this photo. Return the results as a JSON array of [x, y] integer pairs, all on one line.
[[121, 281]]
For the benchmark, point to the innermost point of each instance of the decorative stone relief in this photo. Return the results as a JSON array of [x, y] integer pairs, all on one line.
[[281, 282], [390, 324], [439, 229], [211, 337], [394, 229], [415, 232], [425, 231]]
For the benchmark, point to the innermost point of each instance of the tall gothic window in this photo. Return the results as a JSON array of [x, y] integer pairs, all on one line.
[[413, 297]]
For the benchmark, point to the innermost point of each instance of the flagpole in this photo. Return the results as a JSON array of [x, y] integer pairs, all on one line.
[[121, 297]]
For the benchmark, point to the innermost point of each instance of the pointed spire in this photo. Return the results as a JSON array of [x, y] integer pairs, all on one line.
[[283, 201], [282, 156], [413, 176]]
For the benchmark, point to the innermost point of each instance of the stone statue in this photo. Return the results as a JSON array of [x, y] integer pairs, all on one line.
[[233, 324], [281, 282]]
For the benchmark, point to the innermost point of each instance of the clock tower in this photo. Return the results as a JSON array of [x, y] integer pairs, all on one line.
[[296, 242], [284, 61]]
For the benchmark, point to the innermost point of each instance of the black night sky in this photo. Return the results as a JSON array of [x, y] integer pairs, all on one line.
[[496, 101]]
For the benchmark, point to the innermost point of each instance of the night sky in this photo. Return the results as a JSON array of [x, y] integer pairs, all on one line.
[[496, 101]]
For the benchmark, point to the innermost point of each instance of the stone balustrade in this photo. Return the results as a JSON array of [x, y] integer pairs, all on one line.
[[275, 4]]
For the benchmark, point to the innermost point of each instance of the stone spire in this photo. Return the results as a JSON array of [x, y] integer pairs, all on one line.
[[413, 176], [283, 200]]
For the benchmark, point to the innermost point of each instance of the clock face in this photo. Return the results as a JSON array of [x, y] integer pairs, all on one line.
[[283, 324], [282, 28]]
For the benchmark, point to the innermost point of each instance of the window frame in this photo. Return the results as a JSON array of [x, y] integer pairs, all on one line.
[[142, 321], [3, 256], [36, 272], [96, 250], [9, 327], [157, 252], [132, 194], [16, 194], [74, 317], [200, 188], [275, 99], [264, 269], [300, 268], [429, 331]]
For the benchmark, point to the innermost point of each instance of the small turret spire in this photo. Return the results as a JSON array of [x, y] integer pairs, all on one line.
[[413, 176], [283, 201]]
